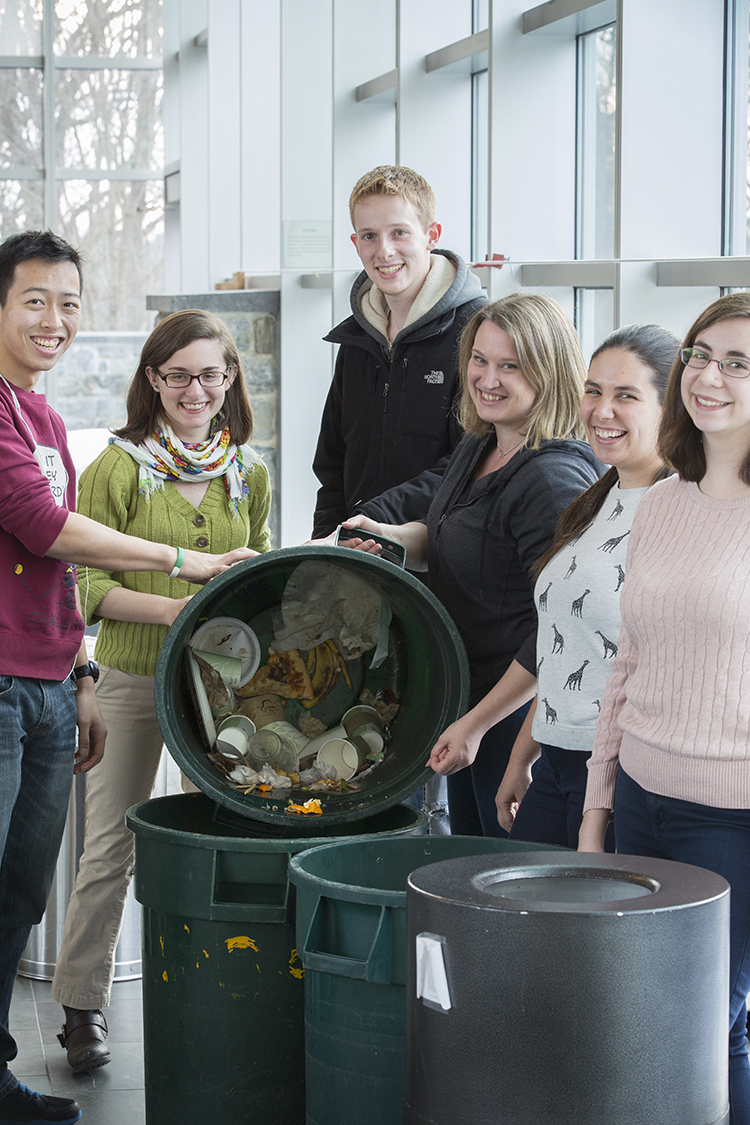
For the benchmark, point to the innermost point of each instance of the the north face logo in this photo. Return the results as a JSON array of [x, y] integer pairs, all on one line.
[[435, 377]]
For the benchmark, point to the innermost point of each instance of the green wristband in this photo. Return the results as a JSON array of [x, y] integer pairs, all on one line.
[[178, 562]]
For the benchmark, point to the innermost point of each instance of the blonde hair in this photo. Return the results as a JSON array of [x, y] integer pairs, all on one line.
[[396, 179], [551, 361]]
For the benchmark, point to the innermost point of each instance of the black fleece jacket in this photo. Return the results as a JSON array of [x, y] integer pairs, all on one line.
[[483, 538], [388, 416]]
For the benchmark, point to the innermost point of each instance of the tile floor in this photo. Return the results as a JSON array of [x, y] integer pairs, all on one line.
[[111, 1095]]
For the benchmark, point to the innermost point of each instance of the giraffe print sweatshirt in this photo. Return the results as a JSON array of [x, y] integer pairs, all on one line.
[[577, 597], [676, 712]]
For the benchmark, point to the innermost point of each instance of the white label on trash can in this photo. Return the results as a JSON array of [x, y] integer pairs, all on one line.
[[432, 979]]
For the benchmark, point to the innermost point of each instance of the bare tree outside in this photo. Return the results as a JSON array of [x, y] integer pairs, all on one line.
[[105, 120]]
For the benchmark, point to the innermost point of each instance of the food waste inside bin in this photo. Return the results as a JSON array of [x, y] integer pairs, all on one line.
[[309, 684]]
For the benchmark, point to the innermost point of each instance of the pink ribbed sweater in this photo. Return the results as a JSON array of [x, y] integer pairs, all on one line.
[[676, 713]]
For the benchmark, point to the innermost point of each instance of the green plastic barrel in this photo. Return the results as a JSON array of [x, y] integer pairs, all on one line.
[[351, 936], [223, 993], [426, 663]]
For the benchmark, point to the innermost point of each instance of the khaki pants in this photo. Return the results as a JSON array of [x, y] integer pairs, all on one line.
[[124, 777]]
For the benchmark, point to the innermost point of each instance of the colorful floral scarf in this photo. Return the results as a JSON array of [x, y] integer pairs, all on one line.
[[163, 457]]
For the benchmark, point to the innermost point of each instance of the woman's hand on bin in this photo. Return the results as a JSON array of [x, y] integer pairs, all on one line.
[[174, 608], [362, 523], [357, 544]]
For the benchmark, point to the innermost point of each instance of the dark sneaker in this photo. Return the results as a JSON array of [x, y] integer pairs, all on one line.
[[22, 1106]]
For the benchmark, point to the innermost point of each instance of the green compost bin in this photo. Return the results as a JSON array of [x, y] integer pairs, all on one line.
[[351, 937], [223, 990], [222, 981], [426, 663]]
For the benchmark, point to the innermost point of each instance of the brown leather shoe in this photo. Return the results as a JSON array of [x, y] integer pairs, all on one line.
[[84, 1035]]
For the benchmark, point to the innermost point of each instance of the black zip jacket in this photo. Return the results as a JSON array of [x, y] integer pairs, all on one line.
[[388, 415], [483, 538]]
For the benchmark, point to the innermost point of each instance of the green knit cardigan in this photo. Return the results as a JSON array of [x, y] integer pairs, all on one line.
[[108, 493]]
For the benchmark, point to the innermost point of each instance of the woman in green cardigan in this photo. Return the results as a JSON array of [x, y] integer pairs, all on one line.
[[179, 472]]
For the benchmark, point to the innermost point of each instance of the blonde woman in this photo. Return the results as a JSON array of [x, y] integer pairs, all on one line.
[[517, 468]]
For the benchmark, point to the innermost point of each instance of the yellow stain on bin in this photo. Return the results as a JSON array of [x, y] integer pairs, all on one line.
[[234, 995], [161, 943], [296, 970], [187, 929], [241, 943], [164, 976], [205, 954]]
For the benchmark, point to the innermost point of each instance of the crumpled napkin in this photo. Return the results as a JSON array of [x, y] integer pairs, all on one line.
[[323, 602]]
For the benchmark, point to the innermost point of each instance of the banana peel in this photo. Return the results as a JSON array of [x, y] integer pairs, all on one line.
[[323, 665]]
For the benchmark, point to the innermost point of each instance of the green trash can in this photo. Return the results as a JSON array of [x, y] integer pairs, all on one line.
[[222, 987], [426, 658], [223, 993], [351, 936]]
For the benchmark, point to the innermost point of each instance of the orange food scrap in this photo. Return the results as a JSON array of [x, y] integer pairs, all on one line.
[[311, 806]]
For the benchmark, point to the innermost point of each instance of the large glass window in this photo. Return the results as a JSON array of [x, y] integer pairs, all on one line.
[[595, 176], [480, 17], [597, 104], [20, 27], [83, 154], [479, 165], [747, 250]]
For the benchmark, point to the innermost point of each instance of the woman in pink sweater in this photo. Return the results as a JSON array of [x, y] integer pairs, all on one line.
[[674, 732]]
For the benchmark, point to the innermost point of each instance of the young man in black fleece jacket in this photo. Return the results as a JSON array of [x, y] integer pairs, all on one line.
[[388, 417]]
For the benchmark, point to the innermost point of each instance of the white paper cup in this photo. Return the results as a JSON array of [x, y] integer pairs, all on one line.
[[359, 715], [232, 743], [320, 740], [371, 735], [241, 722], [342, 755]]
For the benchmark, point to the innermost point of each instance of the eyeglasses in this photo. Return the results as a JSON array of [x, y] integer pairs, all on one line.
[[179, 379], [736, 368]]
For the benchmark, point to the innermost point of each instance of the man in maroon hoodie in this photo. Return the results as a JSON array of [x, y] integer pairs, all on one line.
[[46, 681]]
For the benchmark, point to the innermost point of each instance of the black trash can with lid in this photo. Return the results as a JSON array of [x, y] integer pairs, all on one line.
[[223, 989], [575, 989], [351, 938]]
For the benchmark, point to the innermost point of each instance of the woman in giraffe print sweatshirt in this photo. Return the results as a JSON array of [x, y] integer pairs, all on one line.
[[674, 732], [577, 592]]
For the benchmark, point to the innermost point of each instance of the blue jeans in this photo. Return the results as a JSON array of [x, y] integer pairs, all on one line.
[[471, 791], [37, 746], [719, 840], [552, 808]]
